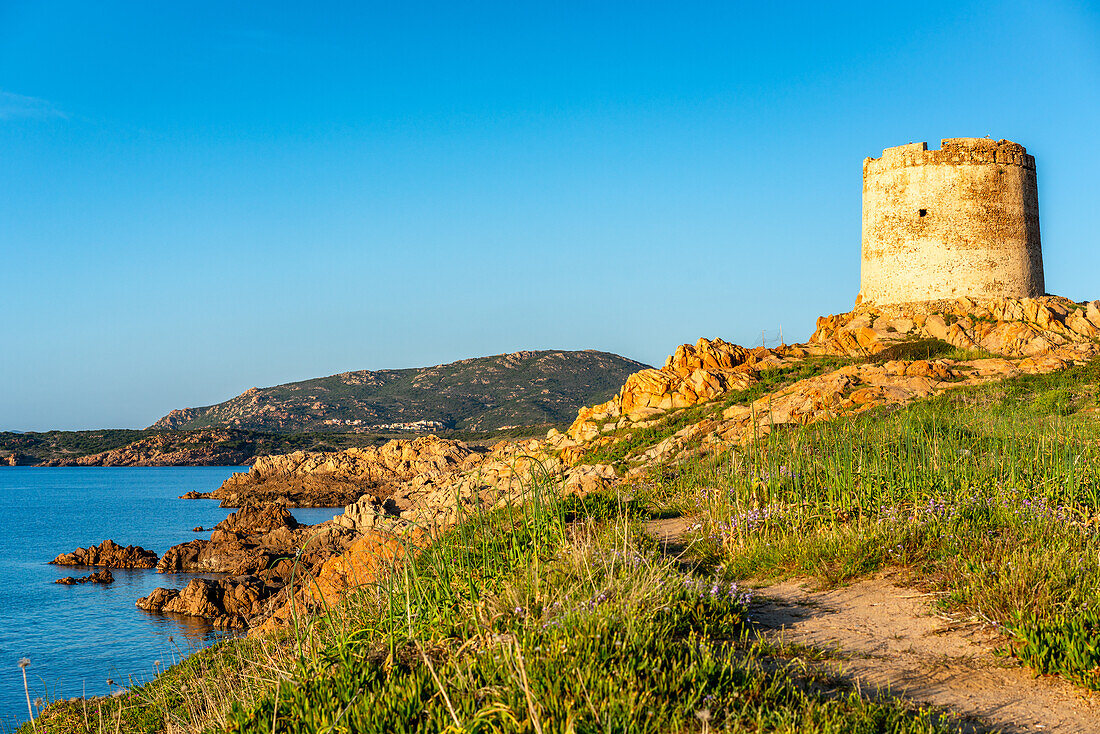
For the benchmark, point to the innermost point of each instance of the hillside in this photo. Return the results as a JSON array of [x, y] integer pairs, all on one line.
[[481, 394], [200, 447], [750, 539], [148, 447]]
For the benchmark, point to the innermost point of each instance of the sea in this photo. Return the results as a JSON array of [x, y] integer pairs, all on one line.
[[90, 639]]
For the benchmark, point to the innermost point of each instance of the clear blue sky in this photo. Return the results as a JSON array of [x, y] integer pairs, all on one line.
[[196, 198]]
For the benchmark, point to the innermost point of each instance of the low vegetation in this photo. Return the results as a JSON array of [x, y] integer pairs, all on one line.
[[564, 615], [223, 446], [926, 348], [37, 447], [481, 394], [557, 616], [989, 495]]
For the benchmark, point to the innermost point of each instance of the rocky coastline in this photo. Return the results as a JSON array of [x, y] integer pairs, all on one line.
[[711, 397], [256, 552], [339, 478]]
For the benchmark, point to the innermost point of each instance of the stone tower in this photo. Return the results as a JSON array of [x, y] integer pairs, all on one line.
[[959, 221]]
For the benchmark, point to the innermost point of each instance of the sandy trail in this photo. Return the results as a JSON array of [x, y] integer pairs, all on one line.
[[888, 639]]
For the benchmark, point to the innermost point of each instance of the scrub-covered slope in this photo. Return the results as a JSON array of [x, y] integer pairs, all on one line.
[[486, 393]]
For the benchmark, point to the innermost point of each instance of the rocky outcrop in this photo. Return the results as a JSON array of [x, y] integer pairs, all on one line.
[[1008, 327], [109, 554], [334, 479], [156, 600], [706, 373], [585, 479], [226, 603], [388, 529], [182, 557], [1031, 335], [259, 540], [261, 548], [695, 373], [99, 577], [257, 520], [359, 565], [650, 417]]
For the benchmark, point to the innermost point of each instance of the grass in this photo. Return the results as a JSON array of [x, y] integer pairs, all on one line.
[[557, 616], [188, 696], [927, 349], [988, 494], [563, 616], [524, 621]]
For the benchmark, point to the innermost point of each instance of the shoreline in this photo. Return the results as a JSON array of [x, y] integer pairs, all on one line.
[[195, 633]]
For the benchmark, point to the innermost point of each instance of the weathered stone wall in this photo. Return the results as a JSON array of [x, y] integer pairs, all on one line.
[[944, 224]]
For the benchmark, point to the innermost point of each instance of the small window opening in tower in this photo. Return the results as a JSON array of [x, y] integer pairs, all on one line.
[[924, 212]]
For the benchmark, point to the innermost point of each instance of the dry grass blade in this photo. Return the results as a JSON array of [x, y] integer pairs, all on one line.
[[439, 685], [531, 708]]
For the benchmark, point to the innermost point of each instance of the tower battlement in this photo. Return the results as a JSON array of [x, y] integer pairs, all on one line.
[[953, 151], [959, 221]]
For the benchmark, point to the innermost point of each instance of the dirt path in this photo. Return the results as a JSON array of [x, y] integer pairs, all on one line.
[[888, 639]]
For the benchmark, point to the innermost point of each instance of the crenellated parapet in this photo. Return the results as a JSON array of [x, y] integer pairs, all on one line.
[[953, 151]]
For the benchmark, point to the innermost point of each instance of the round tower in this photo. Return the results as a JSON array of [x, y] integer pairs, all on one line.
[[959, 221]]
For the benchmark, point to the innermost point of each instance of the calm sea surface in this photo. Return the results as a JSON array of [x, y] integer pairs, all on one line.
[[79, 637]]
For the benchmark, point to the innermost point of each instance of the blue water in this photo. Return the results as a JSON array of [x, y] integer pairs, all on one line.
[[79, 637]]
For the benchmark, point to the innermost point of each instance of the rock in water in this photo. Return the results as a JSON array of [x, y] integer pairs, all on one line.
[[99, 577], [109, 554], [261, 547], [248, 541], [226, 603], [254, 519], [183, 557], [155, 601]]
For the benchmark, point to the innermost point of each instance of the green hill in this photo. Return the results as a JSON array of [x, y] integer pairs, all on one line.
[[481, 394]]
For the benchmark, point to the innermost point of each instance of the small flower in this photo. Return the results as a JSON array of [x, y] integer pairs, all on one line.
[[24, 662], [39, 703]]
